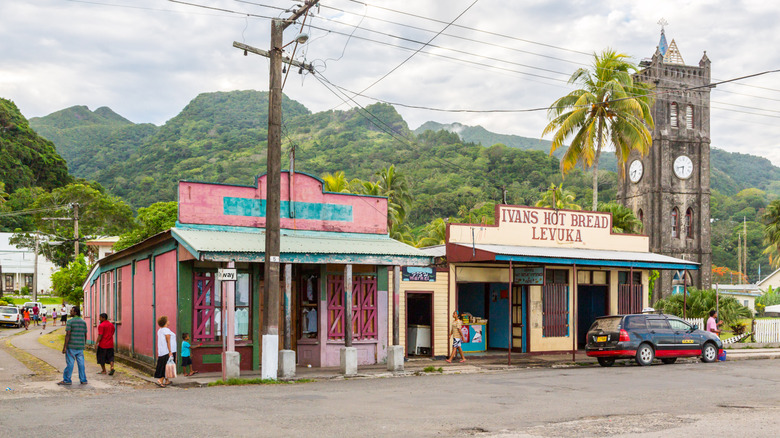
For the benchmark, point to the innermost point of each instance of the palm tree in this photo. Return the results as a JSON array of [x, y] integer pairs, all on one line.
[[623, 218], [772, 232], [609, 107], [558, 198], [435, 233], [336, 182], [394, 186]]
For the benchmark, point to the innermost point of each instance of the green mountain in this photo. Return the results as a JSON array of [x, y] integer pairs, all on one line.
[[27, 159]]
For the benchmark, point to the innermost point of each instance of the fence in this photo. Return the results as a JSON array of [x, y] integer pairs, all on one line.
[[767, 330], [699, 322]]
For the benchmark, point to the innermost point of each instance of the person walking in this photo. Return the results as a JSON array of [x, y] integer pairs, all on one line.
[[63, 315], [457, 338], [166, 348], [35, 316], [73, 349], [26, 318], [105, 344]]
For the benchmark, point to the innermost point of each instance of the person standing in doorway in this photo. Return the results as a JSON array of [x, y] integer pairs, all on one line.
[[166, 348], [457, 338], [73, 349], [713, 323], [105, 344]]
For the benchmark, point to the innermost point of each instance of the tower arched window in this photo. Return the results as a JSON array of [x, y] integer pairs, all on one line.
[[689, 223], [673, 114], [641, 216], [675, 222], [689, 116]]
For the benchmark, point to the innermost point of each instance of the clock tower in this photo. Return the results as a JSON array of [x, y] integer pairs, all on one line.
[[669, 189]]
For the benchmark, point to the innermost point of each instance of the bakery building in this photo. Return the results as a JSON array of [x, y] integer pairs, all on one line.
[[174, 274], [535, 281]]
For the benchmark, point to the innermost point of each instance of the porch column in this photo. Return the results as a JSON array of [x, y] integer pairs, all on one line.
[[573, 330], [511, 311], [395, 353], [287, 355], [231, 360], [348, 354]]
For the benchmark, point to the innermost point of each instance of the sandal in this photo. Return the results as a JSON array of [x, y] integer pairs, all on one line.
[[160, 384]]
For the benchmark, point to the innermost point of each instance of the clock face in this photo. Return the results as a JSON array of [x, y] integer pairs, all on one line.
[[635, 171], [683, 167]]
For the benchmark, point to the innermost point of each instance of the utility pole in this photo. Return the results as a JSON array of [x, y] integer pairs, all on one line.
[[744, 242], [270, 339], [35, 270], [739, 255], [76, 229]]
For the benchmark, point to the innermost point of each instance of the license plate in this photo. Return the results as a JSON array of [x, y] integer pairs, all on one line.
[[601, 339], [6, 317]]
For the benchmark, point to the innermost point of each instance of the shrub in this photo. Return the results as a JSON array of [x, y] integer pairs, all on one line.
[[699, 304], [738, 328]]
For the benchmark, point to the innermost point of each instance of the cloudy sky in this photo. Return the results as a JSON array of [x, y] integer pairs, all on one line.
[[146, 59]]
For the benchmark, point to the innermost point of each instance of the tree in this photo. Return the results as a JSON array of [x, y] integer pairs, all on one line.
[[68, 281], [700, 302], [336, 182], [435, 233], [772, 232], [558, 198], [100, 214], [609, 107], [623, 219], [151, 220], [724, 275], [395, 187]]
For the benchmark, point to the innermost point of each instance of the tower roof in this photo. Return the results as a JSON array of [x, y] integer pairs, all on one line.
[[662, 45], [672, 55]]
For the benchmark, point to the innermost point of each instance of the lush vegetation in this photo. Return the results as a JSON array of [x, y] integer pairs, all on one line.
[[67, 282], [151, 220], [699, 303]]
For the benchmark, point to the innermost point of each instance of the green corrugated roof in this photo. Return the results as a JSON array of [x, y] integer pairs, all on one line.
[[300, 246]]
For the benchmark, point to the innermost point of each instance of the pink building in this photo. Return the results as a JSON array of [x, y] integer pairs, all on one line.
[[174, 273]]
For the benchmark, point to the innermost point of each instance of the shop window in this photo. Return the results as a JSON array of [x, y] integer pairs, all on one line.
[[207, 324], [364, 307], [600, 277], [308, 307], [555, 303], [689, 116], [689, 223], [675, 222], [28, 281], [673, 115]]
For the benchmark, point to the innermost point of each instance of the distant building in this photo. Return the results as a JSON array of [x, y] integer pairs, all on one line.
[[17, 266], [745, 294], [101, 247], [772, 280]]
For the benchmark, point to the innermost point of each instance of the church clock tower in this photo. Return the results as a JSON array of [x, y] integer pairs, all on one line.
[[669, 189]]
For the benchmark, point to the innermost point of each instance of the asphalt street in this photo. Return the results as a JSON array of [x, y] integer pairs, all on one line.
[[729, 399]]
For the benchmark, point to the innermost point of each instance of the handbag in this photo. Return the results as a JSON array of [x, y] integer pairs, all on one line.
[[170, 368]]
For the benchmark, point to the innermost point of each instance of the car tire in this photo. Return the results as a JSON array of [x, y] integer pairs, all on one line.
[[645, 355], [669, 360], [606, 361], [709, 353]]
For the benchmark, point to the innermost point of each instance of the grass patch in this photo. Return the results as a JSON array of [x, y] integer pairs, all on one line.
[[433, 369], [48, 301], [256, 381]]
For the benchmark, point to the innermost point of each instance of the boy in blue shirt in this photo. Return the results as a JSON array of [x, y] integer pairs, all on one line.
[[186, 355]]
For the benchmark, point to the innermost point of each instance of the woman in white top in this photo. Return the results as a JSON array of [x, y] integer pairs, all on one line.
[[166, 347]]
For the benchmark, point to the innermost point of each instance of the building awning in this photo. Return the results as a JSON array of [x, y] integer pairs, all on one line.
[[567, 256], [300, 247]]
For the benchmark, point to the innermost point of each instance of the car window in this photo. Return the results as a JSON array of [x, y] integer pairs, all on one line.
[[635, 322], [679, 325], [9, 310], [657, 323], [607, 324]]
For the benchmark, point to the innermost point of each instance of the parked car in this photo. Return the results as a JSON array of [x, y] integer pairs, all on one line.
[[41, 308], [10, 315], [644, 337]]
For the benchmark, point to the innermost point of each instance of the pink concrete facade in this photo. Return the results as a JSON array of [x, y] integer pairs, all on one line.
[[204, 203], [165, 285], [124, 324], [143, 310]]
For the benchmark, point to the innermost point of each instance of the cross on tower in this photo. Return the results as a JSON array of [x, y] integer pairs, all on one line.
[[663, 23]]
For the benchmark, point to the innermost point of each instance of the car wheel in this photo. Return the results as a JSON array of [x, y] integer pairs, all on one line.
[[645, 355], [709, 353], [669, 360], [606, 361]]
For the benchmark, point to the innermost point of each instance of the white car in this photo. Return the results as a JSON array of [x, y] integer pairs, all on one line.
[[41, 307], [10, 315]]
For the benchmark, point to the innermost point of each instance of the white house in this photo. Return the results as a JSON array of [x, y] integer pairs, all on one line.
[[17, 266], [745, 294], [772, 280]]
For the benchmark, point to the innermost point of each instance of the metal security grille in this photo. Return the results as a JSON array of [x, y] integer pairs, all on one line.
[[364, 308], [555, 310], [629, 298]]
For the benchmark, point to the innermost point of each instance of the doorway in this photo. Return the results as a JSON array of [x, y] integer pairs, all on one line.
[[519, 318], [591, 303], [419, 323]]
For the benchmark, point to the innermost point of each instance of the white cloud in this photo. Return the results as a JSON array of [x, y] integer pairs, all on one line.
[[148, 59]]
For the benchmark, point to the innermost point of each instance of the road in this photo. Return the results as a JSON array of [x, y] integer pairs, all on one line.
[[728, 399]]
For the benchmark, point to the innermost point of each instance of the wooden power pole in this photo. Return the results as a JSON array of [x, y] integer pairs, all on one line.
[[271, 296]]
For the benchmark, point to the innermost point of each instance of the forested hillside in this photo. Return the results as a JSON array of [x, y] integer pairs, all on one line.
[[450, 169], [26, 159]]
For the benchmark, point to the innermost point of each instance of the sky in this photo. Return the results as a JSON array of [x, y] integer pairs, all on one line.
[[146, 59]]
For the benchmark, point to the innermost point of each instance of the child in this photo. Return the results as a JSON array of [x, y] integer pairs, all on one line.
[[54, 315], [43, 319], [26, 316], [186, 355]]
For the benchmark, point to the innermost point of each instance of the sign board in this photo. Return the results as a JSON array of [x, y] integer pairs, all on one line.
[[417, 273], [226, 275], [531, 276]]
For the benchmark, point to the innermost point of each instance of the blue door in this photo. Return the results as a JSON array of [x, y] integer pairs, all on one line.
[[591, 303]]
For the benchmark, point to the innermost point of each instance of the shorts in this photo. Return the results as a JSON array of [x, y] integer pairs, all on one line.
[[104, 355], [186, 361], [64, 318], [456, 343]]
